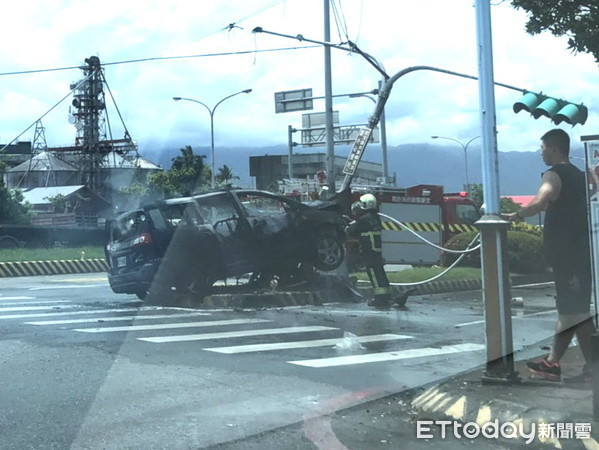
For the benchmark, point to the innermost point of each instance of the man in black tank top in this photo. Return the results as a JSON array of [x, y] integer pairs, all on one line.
[[562, 195]]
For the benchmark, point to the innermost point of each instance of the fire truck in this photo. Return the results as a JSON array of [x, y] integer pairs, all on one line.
[[425, 209]]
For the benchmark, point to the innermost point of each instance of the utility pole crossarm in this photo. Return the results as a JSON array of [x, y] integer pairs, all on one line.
[[350, 48]]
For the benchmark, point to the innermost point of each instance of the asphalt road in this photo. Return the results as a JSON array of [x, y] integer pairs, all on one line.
[[84, 368]]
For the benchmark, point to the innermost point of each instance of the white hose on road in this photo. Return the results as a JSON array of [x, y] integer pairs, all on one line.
[[455, 263], [448, 250]]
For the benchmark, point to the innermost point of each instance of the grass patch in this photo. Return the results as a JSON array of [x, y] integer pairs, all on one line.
[[424, 273], [49, 254]]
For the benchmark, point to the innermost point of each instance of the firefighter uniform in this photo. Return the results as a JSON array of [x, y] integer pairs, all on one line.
[[367, 227]]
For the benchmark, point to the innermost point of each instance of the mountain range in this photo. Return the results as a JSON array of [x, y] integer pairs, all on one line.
[[519, 172]]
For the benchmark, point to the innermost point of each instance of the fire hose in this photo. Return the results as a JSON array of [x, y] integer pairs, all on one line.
[[462, 253]]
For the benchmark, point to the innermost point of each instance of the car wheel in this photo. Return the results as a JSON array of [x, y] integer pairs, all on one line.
[[329, 251]]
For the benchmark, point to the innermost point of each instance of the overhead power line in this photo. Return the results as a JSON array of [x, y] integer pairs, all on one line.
[[163, 58]]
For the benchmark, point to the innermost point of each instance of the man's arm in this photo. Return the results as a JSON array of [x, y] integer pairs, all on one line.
[[549, 190]]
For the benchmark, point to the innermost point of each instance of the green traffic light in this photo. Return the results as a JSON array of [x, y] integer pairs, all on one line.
[[528, 102], [557, 110], [571, 114], [547, 108]]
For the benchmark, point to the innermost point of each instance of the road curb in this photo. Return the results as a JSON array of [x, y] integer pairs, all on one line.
[[56, 267], [435, 287]]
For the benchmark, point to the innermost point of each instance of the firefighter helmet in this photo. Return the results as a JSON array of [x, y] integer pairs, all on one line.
[[368, 201]]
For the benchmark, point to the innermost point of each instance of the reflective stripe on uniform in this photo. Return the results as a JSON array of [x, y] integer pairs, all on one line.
[[371, 235], [378, 289]]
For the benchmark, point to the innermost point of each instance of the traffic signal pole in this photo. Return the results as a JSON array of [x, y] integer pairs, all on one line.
[[496, 283]]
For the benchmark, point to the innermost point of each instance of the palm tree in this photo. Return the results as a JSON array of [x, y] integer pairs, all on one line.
[[225, 174], [188, 172], [188, 160]]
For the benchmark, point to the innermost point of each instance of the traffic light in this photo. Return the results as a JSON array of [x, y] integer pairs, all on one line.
[[557, 110]]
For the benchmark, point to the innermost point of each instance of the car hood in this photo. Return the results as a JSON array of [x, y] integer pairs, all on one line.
[[339, 203]]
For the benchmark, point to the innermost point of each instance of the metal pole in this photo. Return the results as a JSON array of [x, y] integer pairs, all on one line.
[[384, 142], [466, 163], [211, 112], [383, 133], [212, 165], [465, 148], [466, 168], [328, 92], [496, 283], [290, 131]]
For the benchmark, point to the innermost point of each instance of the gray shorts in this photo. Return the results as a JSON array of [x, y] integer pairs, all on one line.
[[573, 286]]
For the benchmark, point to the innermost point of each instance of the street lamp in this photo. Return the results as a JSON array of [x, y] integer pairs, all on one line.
[[465, 147], [383, 133], [211, 112]]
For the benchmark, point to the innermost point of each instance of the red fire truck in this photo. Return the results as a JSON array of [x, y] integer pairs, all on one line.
[[425, 209]]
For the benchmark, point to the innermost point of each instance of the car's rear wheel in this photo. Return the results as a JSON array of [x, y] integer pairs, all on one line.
[[328, 250]]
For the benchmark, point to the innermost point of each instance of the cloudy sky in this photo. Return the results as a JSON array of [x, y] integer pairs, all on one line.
[[52, 34]]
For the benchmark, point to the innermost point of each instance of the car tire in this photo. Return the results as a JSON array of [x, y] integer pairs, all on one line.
[[329, 251], [142, 294]]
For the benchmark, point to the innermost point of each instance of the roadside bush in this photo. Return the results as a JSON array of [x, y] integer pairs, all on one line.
[[535, 230], [524, 251]]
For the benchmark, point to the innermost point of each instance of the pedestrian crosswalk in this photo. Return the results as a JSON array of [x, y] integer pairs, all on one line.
[[216, 332]]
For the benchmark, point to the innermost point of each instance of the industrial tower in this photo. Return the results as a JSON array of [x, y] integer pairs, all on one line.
[[93, 143]]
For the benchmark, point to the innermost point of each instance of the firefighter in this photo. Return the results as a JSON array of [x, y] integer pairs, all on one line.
[[367, 227]]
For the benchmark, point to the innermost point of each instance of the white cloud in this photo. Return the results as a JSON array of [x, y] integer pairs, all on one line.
[[399, 33]]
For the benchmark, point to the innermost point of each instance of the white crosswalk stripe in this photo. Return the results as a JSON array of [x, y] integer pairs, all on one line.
[[69, 313], [35, 302], [388, 356], [234, 334], [117, 318], [35, 308], [304, 344], [166, 326]]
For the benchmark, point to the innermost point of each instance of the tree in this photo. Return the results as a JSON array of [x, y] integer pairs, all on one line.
[[187, 175], [188, 160], [225, 174], [11, 208], [576, 19], [506, 205]]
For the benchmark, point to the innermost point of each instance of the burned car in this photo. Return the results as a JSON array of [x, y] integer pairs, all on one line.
[[186, 244]]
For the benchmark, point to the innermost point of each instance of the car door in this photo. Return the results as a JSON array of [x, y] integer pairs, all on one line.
[[236, 246], [272, 224]]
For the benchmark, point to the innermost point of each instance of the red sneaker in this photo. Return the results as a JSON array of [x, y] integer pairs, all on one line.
[[545, 369]]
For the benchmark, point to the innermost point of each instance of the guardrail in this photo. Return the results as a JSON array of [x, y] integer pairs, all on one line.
[[58, 267]]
